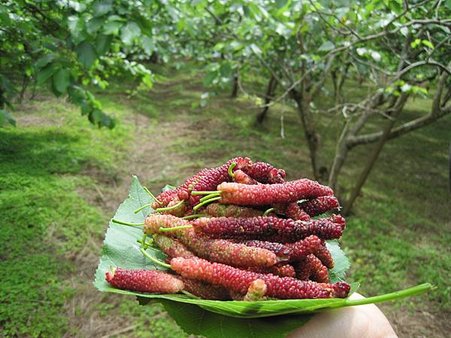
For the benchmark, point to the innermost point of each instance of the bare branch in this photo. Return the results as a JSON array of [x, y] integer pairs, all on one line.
[[419, 64], [319, 84], [439, 109]]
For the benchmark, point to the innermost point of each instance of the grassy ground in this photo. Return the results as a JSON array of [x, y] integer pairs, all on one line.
[[62, 179]]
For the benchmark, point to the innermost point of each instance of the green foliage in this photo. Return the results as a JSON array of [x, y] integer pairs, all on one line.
[[65, 47], [6, 117]]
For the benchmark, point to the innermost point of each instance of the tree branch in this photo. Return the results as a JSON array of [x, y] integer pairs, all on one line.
[[439, 110]]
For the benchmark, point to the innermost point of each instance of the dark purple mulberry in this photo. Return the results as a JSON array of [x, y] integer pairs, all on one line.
[[206, 179], [320, 205], [265, 173], [267, 227], [293, 211]]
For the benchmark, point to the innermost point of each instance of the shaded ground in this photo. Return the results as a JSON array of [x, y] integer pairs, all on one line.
[[166, 139]]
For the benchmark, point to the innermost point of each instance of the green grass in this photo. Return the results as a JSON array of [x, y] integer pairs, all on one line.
[[45, 221], [397, 236]]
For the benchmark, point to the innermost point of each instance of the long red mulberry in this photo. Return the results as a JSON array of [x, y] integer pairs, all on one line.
[[311, 268], [294, 252], [206, 179], [205, 290], [267, 227], [152, 281], [310, 245], [239, 280], [243, 178], [320, 205], [171, 247], [278, 248], [218, 250], [230, 210], [324, 256], [293, 211], [265, 173], [268, 194], [318, 272], [281, 270]]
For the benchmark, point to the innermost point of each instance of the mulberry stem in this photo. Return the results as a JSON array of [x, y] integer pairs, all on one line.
[[194, 216], [230, 169], [181, 227], [154, 260], [207, 197], [199, 192], [267, 212], [151, 195], [175, 206], [127, 223], [208, 201], [141, 208]]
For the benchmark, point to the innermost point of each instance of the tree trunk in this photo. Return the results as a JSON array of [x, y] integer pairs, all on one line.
[[334, 76], [236, 78], [33, 91], [2, 98], [341, 153], [339, 89], [270, 90], [25, 82], [154, 58], [375, 154], [310, 133]]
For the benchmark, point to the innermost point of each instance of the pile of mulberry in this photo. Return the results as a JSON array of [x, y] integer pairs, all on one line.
[[241, 231]]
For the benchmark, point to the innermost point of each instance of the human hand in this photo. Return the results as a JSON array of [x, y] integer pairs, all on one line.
[[362, 321]]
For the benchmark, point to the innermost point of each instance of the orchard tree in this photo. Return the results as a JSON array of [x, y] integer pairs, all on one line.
[[69, 46], [402, 48]]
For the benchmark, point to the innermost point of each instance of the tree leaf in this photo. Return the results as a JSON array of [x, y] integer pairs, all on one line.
[[5, 117], [326, 46], [86, 53], [213, 318], [112, 27], [103, 43], [129, 32], [61, 80], [427, 43], [102, 7], [45, 73], [212, 325], [341, 262], [44, 61], [148, 44]]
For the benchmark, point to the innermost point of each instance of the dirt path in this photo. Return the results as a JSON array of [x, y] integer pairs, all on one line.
[[148, 158]]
